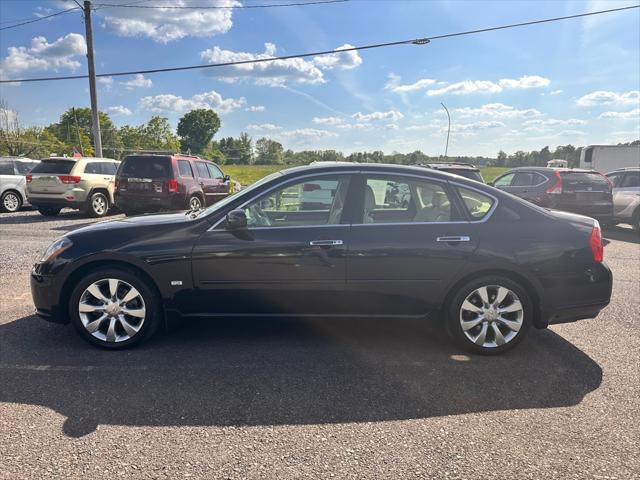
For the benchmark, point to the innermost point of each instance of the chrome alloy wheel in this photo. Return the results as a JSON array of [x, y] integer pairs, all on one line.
[[11, 202], [112, 310], [195, 203], [491, 316], [99, 205]]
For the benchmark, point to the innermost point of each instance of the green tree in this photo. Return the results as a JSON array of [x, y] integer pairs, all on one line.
[[197, 128], [157, 134], [269, 152]]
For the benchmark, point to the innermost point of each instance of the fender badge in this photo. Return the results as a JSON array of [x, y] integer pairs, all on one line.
[[176, 282]]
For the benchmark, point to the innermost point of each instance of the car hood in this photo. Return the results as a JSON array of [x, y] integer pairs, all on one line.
[[141, 220]]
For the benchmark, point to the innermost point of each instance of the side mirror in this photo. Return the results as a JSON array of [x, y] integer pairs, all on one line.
[[226, 178], [490, 183], [236, 220]]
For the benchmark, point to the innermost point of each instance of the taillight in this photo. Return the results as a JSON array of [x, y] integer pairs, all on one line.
[[172, 186], [557, 186], [69, 179], [595, 242], [29, 178]]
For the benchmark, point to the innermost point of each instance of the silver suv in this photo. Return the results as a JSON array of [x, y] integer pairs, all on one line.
[[626, 195], [86, 184], [12, 182]]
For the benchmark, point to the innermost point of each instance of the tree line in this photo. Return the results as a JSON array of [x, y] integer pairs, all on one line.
[[195, 135]]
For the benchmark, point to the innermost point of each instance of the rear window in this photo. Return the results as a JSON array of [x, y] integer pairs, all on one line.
[[54, 166], [146, 167], [470, 174], [583, 178], [24, 167], [478, 204]]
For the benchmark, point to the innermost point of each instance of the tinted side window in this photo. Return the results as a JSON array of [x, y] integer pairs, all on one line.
[[631, 179], [93, 167], [405, 200], [477, 204], [215, 171], [203, 172], [184, 167], [109, 168], [504, 181], [24, 167], [6, 168], [615, 179]]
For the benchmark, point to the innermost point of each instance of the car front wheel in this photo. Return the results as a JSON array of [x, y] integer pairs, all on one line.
[[114, 308], [490, 315], [10, 202]]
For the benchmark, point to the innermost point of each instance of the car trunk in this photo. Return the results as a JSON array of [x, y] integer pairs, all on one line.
[[145, 175], [585, 188], [48, 175]]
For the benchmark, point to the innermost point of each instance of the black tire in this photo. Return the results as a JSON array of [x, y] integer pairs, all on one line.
[[635, 222], [97, 205], [10, 202], [193, 200], [453, 312], [151, 299], [49, 211]]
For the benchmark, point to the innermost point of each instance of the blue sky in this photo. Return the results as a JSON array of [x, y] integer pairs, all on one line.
[[575, 81]]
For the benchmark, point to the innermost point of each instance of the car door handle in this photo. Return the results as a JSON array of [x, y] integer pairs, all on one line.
[[453, 239], [325, 243]]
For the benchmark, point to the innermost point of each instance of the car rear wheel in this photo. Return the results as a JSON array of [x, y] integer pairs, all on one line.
[[10, 202], [490, 315], [114, 308], [98, 205], [195, 203], [49, 211]]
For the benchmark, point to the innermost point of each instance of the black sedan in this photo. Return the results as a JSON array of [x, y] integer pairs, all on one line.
[[484, 263]]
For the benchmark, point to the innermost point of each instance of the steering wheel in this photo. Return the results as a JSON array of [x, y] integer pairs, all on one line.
[[257, 217]]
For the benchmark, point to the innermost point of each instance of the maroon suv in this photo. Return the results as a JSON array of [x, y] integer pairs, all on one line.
[[152, 182]]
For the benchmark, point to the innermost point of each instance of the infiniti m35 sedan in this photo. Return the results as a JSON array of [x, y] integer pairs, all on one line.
[[485, 264]]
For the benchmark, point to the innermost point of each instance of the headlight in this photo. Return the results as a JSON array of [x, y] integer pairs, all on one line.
[[55, 249]]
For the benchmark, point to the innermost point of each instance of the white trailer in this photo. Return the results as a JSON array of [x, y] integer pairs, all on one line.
[[607, 158]]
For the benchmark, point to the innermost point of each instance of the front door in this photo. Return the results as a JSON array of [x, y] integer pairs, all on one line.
[[409, 241], [220, 187], [207, 183], [290, 259]]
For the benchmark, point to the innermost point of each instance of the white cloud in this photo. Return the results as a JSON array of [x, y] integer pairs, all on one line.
[[497, 110], [474, 127], [333, 121], [306, 134], [255, 108], [392, 115], [542, 125], [177, 104], [138, 81], [274, 73], [107, 82], [119, 110], [340, 60], [391, 126], [395, 86], [355, 126], [602, 97], [631, 114], [487, 86], [270, 127], [526, 81], [169, 24], [42, 55], [556, 92]]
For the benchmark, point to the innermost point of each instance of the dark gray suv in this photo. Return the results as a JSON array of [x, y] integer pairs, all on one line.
[[586, 192]]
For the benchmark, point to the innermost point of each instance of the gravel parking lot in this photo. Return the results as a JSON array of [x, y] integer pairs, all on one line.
[[315, 399]]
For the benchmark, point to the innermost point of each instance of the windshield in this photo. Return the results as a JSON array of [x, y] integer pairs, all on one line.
[[246, 193]]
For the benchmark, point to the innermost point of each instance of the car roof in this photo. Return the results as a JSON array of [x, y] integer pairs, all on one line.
[[451, 166], [624, 169], [551, 169], [77, 159]]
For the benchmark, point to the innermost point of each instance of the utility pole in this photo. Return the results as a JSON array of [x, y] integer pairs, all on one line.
[[446, 149], [95, 118]]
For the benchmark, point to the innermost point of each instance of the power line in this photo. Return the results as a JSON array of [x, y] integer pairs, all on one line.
[[415, 41], [220, 7], [41, 18]]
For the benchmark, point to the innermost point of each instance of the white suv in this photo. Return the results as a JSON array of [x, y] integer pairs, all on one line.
[[12, 182], [626, 195]]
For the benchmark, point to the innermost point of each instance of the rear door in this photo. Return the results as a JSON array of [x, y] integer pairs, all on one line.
[[408, 241], [146, 176], [45, 177], [207, 182], [529, 185]]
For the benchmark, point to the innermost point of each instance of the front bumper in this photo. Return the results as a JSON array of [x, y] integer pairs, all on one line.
[[45, 291]]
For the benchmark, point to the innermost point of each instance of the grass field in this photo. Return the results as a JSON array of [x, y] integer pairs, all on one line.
[[248, 174]]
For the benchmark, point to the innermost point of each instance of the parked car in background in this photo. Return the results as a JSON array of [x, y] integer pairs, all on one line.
[[151, 182], [13, 182], [626, 196], [83, 183], [572, 190], [558, 163], [606, 158], [487, 265], [466, 170]]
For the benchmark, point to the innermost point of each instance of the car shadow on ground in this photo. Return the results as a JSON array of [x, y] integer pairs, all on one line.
[[621, 234], [275, 372]]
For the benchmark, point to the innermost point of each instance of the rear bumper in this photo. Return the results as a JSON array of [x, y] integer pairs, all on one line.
[[54, 202], [573, 314], [598, 211], [149, 203]]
